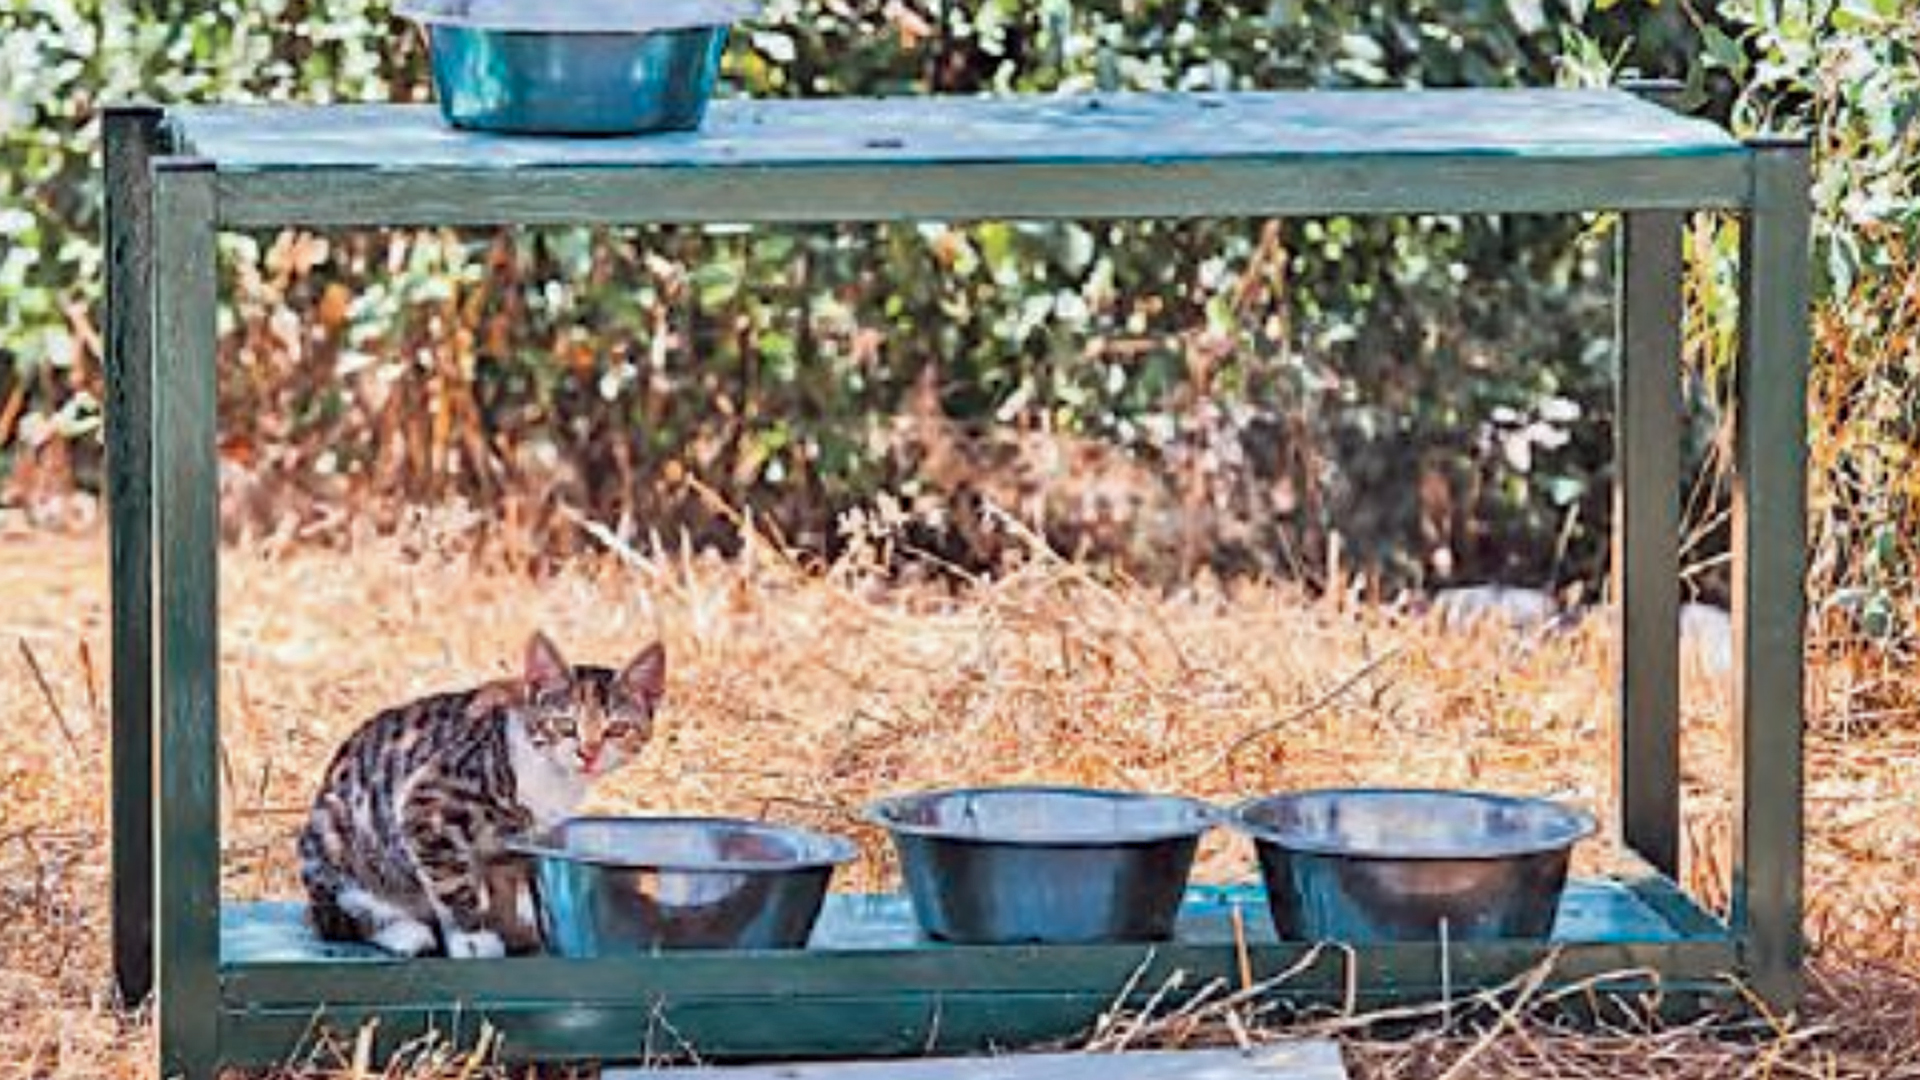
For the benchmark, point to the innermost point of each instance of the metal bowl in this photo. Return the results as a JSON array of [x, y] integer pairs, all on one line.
[[575, 67], [1372, 865], [607, 886], [1044, 864]]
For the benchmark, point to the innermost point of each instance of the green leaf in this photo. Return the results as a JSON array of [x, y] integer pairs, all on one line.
[[717, 282], [1722, 50]]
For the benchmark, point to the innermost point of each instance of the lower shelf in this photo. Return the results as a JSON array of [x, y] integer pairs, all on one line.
[[870, 984]]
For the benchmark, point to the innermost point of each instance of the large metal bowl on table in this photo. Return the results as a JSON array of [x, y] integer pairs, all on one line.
[[607, 886], [575, 67], [1375, 865], [1059, 865]]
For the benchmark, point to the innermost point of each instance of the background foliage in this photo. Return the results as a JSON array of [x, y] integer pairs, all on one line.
[[1232, 393]]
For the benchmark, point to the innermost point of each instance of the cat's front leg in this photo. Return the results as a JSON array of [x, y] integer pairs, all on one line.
[[475, 945], [514, 913], [451, 875]]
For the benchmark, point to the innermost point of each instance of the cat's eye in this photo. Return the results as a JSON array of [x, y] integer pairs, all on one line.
[[619, 729]]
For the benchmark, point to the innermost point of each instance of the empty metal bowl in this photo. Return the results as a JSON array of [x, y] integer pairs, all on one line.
[[1373, 865], [607, 886], [575, 67], [1044, 864]]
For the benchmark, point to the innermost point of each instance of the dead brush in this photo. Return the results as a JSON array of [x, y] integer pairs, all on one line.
[[802, 692]]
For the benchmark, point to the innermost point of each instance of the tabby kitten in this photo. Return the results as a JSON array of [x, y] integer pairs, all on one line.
[[404, 846]]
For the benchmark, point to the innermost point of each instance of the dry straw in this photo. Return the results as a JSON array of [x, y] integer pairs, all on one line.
[[801, 692]]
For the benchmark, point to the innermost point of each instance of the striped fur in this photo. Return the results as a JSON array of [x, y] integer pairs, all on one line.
[[404, 846]]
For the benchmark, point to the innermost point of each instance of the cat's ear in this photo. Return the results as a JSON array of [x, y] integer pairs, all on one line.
[[644, 681], [546, 668]]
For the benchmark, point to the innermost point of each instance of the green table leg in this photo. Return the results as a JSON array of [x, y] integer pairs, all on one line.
[[1646, 534], [1769, 550], [185, 524], [131, 135]]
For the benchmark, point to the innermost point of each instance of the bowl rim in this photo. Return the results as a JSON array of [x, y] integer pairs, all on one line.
[[572, 17], [832, 850], [1576, 825], [1204, 816]]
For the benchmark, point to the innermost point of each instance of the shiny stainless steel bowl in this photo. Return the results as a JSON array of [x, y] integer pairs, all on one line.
[[575, 67], [1371, 865], [1044, 864], [607, 886]]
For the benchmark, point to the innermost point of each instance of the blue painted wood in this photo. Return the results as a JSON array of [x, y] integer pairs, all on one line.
[[1770, 570], [885, 159], [1578, 124], [870, 985], [131, 137], [1646, 528], [1594, 910], [185, 538], [1297, 1059]]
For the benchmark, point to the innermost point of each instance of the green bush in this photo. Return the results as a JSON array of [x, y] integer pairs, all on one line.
[[1847, 73], [1434, 389]]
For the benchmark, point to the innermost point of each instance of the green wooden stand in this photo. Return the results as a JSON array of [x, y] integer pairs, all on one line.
[[241, 984]]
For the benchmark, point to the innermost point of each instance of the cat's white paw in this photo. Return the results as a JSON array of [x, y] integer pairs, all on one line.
[[483, 945], [405, 937]]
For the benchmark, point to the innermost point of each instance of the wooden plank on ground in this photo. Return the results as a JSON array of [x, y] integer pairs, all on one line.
[[1304, 1059]]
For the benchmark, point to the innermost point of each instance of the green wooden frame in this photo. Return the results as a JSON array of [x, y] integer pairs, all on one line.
[[176, 177]]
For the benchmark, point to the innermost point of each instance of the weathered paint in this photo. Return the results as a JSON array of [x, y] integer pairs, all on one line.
[[131, 136], [1094, 156], [1646, 534], [870, 984], [1203, 155], [186, 807], [1588, 126], [1293, 1059], [1593, 909], [1769, 576]]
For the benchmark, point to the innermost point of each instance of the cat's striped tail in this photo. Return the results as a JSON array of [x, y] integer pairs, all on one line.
[[324, 883]]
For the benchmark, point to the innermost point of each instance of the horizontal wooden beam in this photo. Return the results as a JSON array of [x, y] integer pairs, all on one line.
[[882, 1005], [1292, 1059], [976, 191], [782, 975]]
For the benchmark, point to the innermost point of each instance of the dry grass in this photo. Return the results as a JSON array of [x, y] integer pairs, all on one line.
[[802, 693]]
